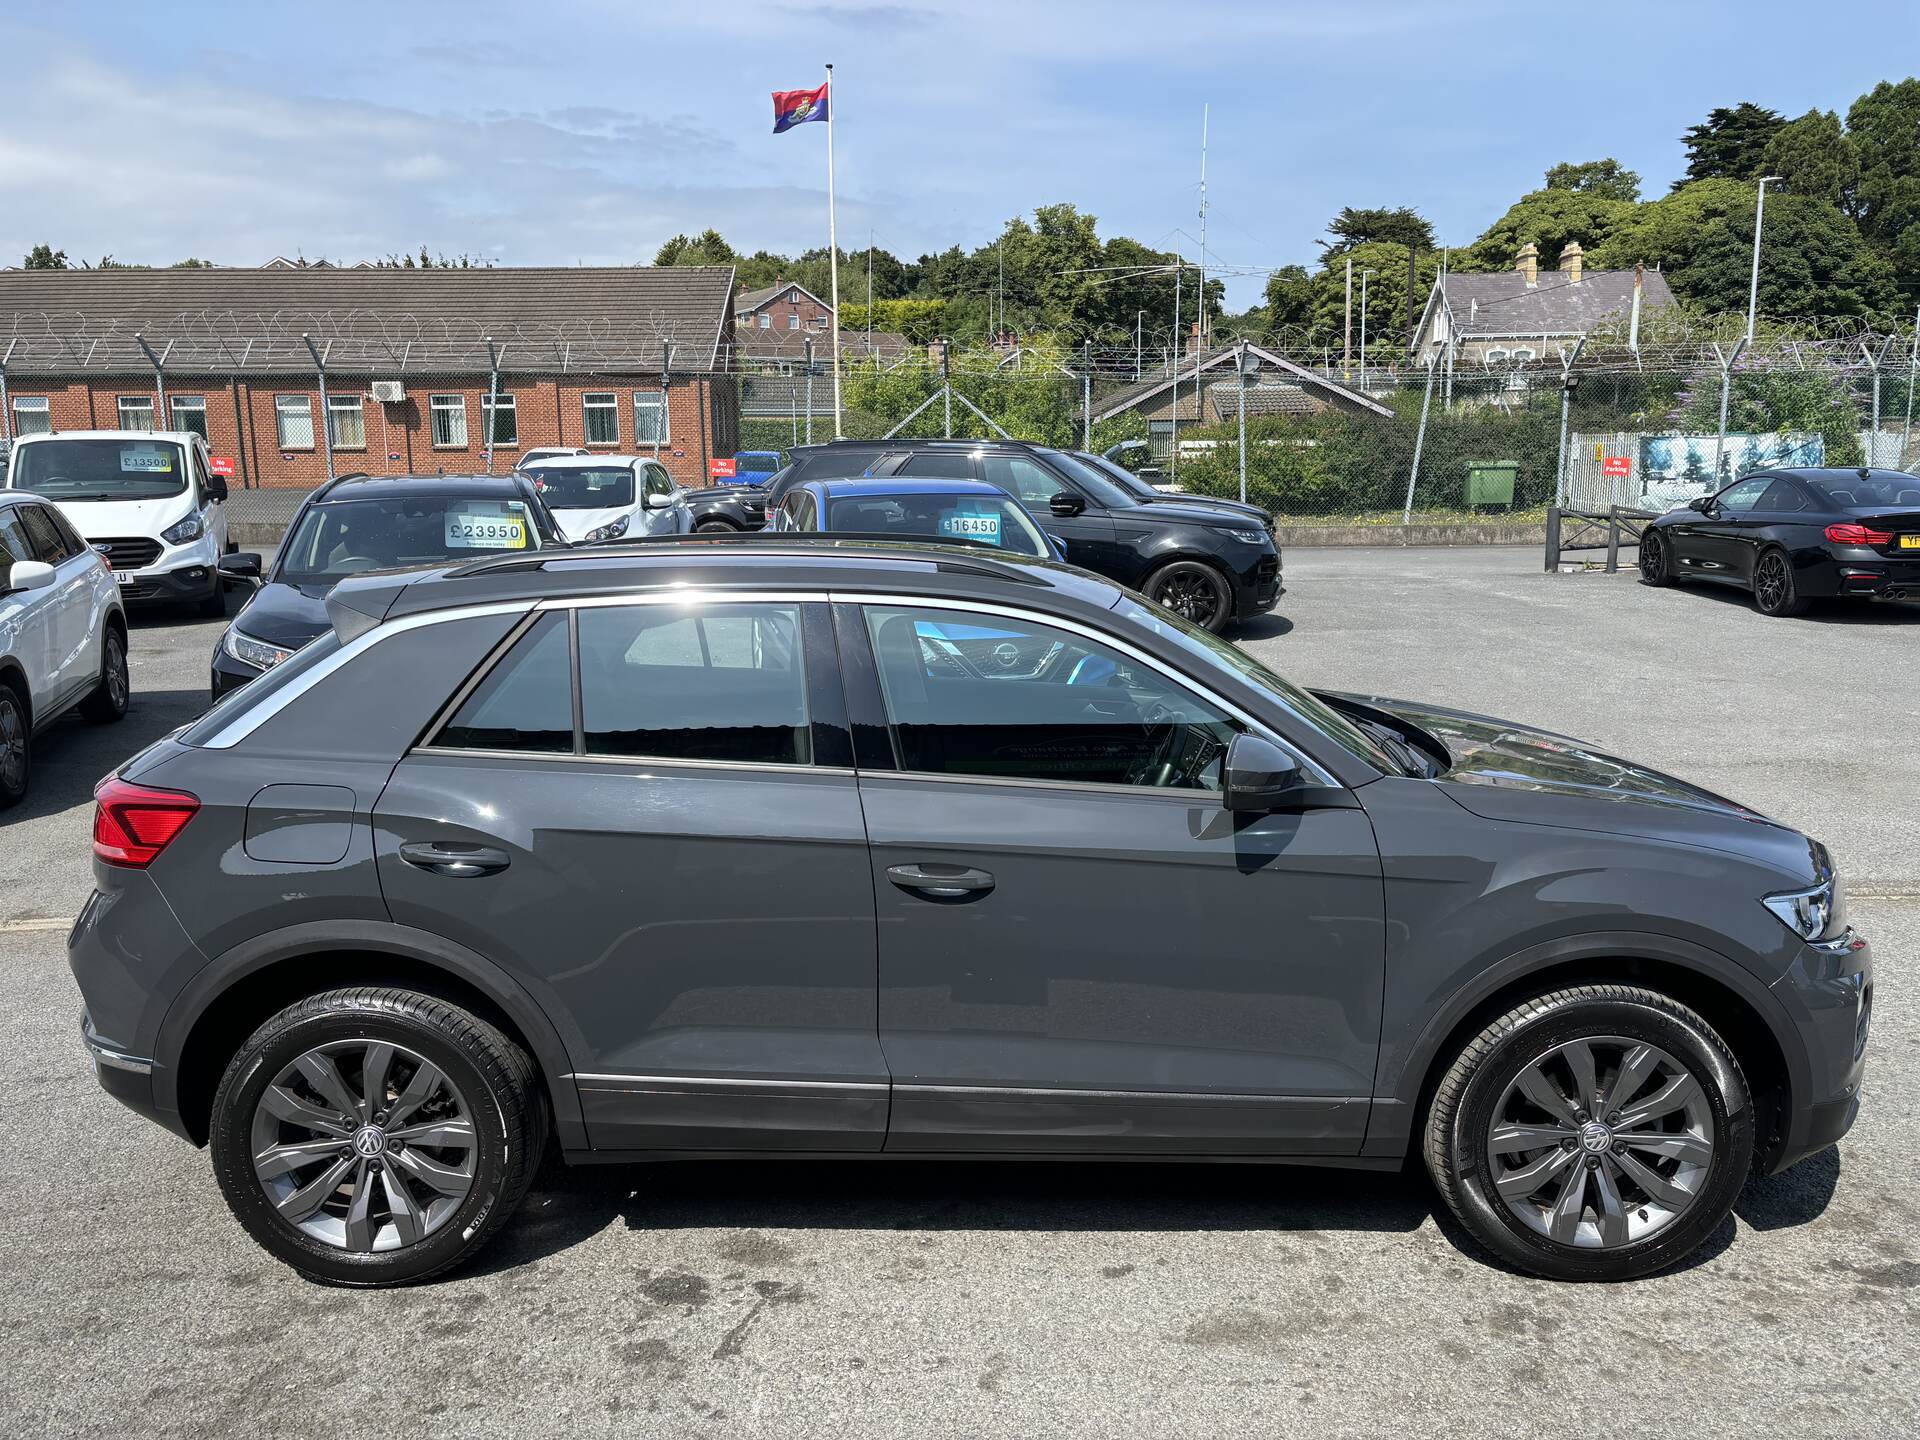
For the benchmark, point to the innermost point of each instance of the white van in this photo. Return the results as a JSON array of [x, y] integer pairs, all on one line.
[[147, 500]]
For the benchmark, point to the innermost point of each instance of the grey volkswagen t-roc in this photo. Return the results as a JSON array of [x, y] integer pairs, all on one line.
[[787, 845]]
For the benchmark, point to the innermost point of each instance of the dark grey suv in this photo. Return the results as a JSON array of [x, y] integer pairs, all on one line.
[[781, 845]]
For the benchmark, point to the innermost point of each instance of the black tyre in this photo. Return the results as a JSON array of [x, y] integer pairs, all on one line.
[[373, 1137], [1774, 590], [1195, 591], [16, 745], [711, 527], [1656, 560], [1595, 1133], [110, 696]]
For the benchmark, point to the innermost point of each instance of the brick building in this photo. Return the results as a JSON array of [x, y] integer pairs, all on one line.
[[628, 359]]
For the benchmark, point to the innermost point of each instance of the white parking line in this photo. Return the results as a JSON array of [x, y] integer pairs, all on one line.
[[34, 923]]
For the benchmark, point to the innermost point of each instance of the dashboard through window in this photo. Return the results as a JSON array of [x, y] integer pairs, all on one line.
[[995, 697]]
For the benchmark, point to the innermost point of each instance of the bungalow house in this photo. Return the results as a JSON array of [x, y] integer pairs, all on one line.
[[1513, 316]]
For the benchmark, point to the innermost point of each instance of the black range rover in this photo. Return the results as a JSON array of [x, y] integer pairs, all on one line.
[[1210, 565]]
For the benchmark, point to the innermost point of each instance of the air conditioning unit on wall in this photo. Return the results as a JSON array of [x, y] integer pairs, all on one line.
[[389, 392]]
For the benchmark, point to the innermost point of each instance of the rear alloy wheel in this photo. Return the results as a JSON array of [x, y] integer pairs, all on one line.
[[1597, 1133], [1655, 567], [376, 1137], [1194, 591], [16, 748], [713, 527], [1774, 592], [108, 702]]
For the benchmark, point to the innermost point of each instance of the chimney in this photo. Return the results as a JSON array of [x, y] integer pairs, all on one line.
[[1570, 258], [1193, 338], [936, 353], [1529, 263]]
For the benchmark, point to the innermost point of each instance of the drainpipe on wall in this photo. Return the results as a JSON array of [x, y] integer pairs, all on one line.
[[239, 432]]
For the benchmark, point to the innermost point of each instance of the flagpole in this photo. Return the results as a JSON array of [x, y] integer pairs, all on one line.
[[833, 256]]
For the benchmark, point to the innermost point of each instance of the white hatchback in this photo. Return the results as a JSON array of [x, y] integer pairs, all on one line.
[[63, 633], [611, 497]]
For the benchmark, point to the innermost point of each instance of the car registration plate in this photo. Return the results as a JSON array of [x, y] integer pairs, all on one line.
[[1910, 542], [123, 577]]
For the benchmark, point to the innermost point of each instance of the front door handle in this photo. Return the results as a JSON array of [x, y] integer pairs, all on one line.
[[942, 882], [453, 858]]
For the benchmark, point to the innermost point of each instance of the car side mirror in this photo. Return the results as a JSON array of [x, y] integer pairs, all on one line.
[[1066, 504], [1260, 776], [217, 486], [1702, 503], [243, 567], [654, 500], [29, 575]]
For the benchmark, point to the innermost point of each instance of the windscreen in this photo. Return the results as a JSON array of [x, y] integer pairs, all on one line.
[[100, 469], [603, 487], [344, 537], [982, 519]]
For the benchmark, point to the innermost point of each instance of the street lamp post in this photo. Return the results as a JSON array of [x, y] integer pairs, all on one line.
[[1363, 327], [1753, 284]]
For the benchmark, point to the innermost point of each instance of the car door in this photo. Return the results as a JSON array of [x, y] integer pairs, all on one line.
[[211, 491], [1088, 535], [1716, 546], [1080, 948], [648, 811], [654, 482], [73, 663]]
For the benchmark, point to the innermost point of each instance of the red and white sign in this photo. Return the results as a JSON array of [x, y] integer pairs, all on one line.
[[220, 465], [721, 467], [1617, 465]]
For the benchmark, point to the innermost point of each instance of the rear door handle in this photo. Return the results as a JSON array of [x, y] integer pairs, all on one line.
[[942, 882], [453, 858]]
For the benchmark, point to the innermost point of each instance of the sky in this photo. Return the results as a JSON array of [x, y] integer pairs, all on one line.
[[585, 131]]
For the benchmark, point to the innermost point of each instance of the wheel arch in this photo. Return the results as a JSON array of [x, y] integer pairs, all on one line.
[[13, 673], [229, 999], [1726, 995]]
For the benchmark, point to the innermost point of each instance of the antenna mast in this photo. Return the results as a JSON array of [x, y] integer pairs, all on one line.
[[1204, 109]]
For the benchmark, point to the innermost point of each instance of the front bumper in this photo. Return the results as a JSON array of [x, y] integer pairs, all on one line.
[[178, 573], [1258, 587], [1828, 992]]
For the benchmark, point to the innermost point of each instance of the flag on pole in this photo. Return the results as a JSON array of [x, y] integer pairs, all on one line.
[[797, 107]]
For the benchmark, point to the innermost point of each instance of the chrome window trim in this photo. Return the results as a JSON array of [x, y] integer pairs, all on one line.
[[251, 719], [1057, 622], [680, 595], [764, 766]]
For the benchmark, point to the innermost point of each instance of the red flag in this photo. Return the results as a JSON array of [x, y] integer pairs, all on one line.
[[797, 107]]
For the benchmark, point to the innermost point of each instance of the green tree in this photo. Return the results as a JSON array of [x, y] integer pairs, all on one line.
[[1666, 233], [1813, 156], [1386, 296], [1812, 263], [708, 248], [918, 320], [1884, 125], [1289, 299], [45, 257], [1606, 178], [1730, 144], [191, 263], [1353, 227], [1549, 219]]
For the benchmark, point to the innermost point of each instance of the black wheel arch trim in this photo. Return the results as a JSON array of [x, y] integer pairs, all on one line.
[[1398, 1096], [264, 952]]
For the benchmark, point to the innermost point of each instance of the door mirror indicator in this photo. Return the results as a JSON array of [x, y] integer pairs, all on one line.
[[29, 575], [1261, 777], [1066, 504]]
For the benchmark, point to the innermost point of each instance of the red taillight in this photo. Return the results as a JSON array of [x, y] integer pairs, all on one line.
[[133, 824], [1858, 535]]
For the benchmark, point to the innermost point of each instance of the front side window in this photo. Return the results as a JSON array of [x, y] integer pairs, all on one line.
[[14, 544], [136, 412], [449, 421], [506, 419], [99, 469], [724, 682], [1744, 496], [32, 415], [526, 701], [994, 697], [50, 543], [189, 413], [650, 417], [658, 481], [346, 422], [293, 417], [603, 417]]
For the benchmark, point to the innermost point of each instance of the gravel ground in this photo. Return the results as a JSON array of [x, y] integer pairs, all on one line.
[[805, 1299]]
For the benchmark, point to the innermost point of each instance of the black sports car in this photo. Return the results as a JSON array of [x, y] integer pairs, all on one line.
[[1792, 536]]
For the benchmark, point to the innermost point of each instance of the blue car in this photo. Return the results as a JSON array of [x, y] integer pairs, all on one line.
[[755, 467], [970, 511]]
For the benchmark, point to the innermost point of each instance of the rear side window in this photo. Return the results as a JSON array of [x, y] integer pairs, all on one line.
[[525, 703], [48, 543], [724, 683], [939, 464], [1781, 495], [14, 544]]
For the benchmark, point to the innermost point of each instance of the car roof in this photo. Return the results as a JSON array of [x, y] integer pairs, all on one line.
[[1837, 473], [410, 487], [927, 485], [178, 437], [829, 446], [581, 462]]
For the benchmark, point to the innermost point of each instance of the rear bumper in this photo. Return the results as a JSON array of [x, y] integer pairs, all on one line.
[[127, 1078], [1863, 573]]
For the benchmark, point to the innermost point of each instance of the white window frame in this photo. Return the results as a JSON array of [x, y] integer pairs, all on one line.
[[123, 404], [296, 409], [451, 406], [793, 321], [766, 320], [606, 401], [502, 404], [182, 406], [338, 405], [657, 402], [40, 408]]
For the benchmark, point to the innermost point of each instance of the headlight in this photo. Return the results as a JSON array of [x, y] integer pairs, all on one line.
[[249, 651], [1249, 537], [181, 533], [611, 531], [1819, 913]]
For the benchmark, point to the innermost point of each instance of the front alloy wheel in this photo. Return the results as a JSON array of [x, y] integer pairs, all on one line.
[[1196, 592], [1654, 566], [16, 748]]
